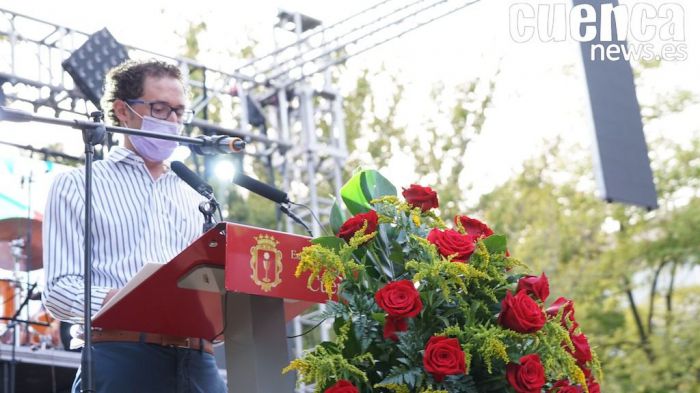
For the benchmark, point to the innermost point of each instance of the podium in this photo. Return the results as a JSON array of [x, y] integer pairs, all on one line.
[[235, 282]]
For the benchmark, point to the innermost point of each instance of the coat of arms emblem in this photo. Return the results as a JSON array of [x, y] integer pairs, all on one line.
[[266, 262]]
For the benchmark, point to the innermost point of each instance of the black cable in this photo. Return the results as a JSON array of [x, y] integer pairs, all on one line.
[[223, 329], [284, 209], [221, 216], [323, 227], [310, 330]]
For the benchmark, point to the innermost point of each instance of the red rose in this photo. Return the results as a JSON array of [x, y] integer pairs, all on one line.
[[423, 197], [443, 356], [528, 376], [521, 314], [473, 227], [399, 299], [568, 313], [450, 242], [586, 372], [393, 325], [342, 386], [593, 386], [533, 285], [564, 386], [355, 223], [582, 351]]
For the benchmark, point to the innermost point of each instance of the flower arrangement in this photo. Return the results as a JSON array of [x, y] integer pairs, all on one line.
[[420, 306]]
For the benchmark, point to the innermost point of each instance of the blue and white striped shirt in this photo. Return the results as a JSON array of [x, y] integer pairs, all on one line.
[[135, 220]]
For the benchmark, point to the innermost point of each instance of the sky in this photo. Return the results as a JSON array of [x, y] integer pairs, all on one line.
[[540, 90]]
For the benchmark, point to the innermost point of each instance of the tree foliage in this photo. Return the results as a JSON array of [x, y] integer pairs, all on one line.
[[631, 270], [252, 209], [626, 278], [626, 267], [376, 132]]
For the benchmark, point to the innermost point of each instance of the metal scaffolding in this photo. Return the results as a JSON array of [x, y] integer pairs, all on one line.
[[284, 104]]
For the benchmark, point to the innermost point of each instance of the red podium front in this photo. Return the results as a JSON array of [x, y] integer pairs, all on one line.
[[252, 268]]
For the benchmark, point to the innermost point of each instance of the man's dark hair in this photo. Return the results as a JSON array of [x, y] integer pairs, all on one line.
[[125, 81]]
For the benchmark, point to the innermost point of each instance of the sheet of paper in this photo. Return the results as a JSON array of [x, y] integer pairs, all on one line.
[[146, 271]]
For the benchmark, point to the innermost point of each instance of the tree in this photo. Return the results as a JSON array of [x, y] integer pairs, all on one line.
[[457, 116], [624, 280], [252, 210]]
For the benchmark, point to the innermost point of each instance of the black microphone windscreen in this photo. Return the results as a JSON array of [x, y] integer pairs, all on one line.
[[261, 188], [191, 178]]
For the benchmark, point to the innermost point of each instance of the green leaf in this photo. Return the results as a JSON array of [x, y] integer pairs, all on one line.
[[462, 384], [361, 329], [379, 317], [495, 244], [337, 217], [353, 197], [385, 266], [491, 383], [331, 242], [397, 258], [331, 347], [337, 324], [362, 188], [402, 376], [352, 345], [374, 185]]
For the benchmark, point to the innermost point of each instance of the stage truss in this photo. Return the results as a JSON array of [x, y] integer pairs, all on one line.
[[302, 141]]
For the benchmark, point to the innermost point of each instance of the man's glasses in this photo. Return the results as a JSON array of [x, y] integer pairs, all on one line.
[[161, 110]]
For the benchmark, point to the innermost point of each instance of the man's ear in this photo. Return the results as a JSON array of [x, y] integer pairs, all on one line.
[[120, 111]]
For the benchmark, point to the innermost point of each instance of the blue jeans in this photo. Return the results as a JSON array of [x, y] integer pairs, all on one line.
[[125, 367]]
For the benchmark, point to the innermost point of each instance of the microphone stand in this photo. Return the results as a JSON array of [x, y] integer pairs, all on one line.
[[285, 209], [94, 132], [92, 135], [208, 208], [208, 144], [12, 325]]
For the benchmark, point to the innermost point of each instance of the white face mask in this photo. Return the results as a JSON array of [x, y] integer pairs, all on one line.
[[153, 149]]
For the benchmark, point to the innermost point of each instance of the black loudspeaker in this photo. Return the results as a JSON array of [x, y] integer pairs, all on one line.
[[620, 153], [89, 64]]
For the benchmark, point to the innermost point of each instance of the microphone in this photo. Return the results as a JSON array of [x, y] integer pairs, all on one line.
[[219, 144], [260, 188], [192, 179], [275, 195]]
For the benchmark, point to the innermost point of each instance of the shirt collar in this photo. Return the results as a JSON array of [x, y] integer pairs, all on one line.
[[119, 153], [122, 154]]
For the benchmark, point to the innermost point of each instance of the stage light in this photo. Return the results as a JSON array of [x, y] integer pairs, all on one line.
[[181, 153], [89, 64], [224, 170], [296, 20]]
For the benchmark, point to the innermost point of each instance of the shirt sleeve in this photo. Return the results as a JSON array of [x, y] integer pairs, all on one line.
[[63, 231]]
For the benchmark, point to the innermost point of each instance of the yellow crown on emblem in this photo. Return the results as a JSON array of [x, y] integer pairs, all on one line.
[[267, 241]]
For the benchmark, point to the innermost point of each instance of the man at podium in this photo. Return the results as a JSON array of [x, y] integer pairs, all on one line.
[[142, 213]]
